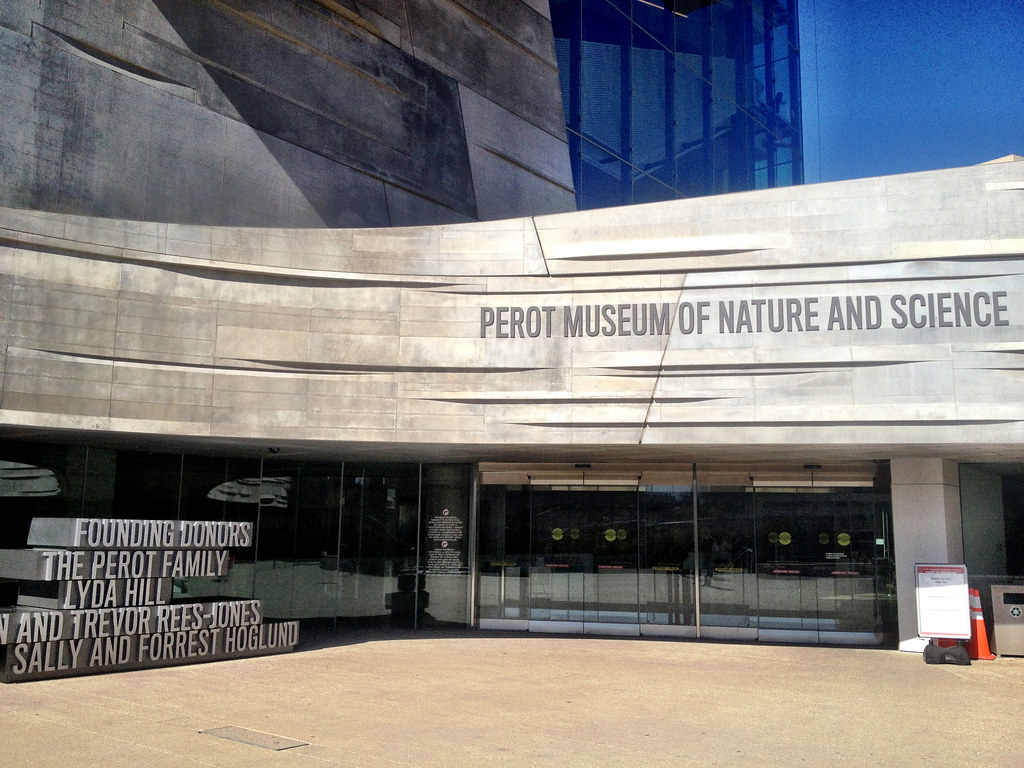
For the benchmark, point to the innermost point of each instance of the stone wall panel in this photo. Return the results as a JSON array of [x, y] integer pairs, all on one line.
[[262, 113], [376, 341]]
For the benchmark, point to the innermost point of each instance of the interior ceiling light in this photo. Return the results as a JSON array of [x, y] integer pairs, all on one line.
[[683, 7]]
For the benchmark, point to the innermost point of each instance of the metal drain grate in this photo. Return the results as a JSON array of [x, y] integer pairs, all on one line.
[[256, 738]]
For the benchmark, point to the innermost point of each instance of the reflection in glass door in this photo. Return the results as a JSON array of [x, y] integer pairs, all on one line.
[[556, 574], [667, 562], [728, 562], [729, 556], [612, 588], [823, 566], [584, 565]]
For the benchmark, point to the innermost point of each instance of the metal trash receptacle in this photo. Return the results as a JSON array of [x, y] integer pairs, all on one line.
[[1008, 620]]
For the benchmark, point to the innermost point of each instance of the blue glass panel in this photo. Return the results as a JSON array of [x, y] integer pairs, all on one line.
[[780, 15], [604, 97], [655, 20], [761, 176], [784, 175], [690, 149], [689, 31], [566, 24], [719, 163], [647, 189], [740, 168], [761, 145], [624, 7], [782, 92], [725, 28], [651, 111], [563, 49], [797, 166], [759, 89], [576, 161], [605, 179], [781, 43], [695, 102]]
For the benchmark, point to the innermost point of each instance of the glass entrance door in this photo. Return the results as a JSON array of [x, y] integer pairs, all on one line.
[[784, 556], [559, 562], [821, 564], [584, 565], [667, 562]]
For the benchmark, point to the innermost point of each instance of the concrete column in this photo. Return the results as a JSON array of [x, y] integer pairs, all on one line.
[[926, 529]]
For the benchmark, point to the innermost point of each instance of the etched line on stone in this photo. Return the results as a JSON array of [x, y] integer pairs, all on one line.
[[773, 424], [275, 367]]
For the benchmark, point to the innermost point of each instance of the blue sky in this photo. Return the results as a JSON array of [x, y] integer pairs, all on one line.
[[895, 86]]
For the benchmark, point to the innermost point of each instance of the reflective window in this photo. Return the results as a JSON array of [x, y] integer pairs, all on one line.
[[352, 542], [605, 79], [37, 480], [605, 179], [652, 136], [728, 557], [819, 561], [146, 485], [505, 552], [667, 563], [218, 488], [807, 563], [378, 557], [992, 509], [661, 105], [584, 555]]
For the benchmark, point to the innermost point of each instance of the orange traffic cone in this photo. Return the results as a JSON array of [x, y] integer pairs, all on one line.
[[977, 646]]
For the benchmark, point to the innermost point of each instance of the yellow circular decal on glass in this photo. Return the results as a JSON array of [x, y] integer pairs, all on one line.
[[843, 539], [574, 533], [609, 535], [823, 538], [557, 534], [621, 534], [773, 538], [784, 538]]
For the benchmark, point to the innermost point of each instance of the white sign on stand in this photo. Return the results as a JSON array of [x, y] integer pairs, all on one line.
[[943, 602]]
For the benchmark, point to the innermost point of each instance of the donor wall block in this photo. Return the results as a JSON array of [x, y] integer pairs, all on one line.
[[95, 596]]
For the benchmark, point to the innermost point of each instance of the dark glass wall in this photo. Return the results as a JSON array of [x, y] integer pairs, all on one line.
[[804, 562], [347, 541], [661, 104], [992, 512]]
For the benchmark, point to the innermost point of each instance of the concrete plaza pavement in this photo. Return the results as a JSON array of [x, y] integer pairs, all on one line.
[[469, 698]]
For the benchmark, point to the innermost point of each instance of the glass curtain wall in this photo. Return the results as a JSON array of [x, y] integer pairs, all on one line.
[[796, 562], [992, 512], [586, 551], [376, 544], [717, 552], [723, 558], [698, 98]]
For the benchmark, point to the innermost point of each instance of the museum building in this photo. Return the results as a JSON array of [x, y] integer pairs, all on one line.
[[453, 399]]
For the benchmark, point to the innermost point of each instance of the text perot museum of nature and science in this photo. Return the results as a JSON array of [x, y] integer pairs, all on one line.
[[95, 595], [962, 309]]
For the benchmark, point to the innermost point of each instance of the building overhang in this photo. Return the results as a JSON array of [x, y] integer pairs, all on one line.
[[863, 319]]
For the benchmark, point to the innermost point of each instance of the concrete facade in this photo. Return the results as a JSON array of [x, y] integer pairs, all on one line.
[[299, 114], [426, 336], [879, 319]]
